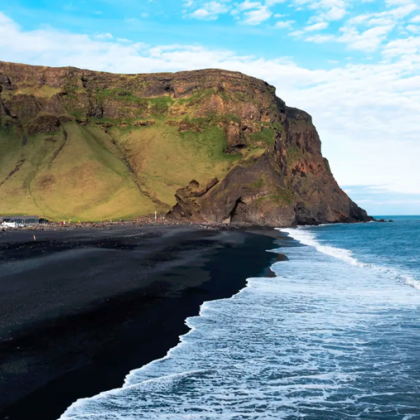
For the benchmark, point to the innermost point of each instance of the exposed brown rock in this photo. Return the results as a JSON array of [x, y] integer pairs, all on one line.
[[55, 104], [44, 124], [234, 137], [189, 126], [24, 107]]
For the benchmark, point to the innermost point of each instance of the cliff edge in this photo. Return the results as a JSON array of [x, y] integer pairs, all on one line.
[[208, 145]]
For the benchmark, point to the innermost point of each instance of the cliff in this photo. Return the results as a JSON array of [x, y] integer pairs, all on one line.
[[206, 145]]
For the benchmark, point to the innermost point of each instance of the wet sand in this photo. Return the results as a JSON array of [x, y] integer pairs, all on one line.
[[80, 309]]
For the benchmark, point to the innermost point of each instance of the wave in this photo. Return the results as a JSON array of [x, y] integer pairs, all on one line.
[[138, 378], [308, 238], [286, 347]]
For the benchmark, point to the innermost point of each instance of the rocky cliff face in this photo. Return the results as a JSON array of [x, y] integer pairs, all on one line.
[[206, 145]]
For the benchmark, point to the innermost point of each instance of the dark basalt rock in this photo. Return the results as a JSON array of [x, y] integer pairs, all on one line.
[[187, 198]]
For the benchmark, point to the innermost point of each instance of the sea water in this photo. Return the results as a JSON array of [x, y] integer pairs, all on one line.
[[335, 335]]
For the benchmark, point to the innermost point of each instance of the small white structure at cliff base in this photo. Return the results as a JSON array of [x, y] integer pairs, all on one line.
[[8, 225], [18, 221]]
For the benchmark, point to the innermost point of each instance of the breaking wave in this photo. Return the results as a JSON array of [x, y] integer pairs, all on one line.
[[329, 337], [309, 238]]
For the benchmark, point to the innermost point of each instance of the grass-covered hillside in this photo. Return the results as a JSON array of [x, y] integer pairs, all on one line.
[[127, 159], [85, 145]]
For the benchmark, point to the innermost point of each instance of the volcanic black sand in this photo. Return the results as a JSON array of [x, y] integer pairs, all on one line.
[[79, 309]]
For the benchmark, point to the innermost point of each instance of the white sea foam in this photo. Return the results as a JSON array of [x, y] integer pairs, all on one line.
[[327, 338], [306, 237]]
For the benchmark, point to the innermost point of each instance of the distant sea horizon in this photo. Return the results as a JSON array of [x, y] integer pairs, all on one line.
[[397, 215]]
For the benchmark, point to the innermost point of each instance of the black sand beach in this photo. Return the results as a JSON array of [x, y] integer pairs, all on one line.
[[81, 308]]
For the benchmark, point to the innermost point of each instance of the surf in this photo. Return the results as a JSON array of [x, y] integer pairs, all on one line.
[[306, 237], [328, 337]]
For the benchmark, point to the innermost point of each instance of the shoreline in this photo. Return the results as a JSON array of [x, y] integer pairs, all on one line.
[[96, 337], [148, 222]]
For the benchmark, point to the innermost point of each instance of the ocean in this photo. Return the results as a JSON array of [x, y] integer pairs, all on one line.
[[335, 335]]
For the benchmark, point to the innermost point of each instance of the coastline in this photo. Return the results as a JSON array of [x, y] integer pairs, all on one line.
[[129, 312]]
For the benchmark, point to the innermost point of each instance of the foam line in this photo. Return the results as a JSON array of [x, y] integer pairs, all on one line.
[[308, 238]]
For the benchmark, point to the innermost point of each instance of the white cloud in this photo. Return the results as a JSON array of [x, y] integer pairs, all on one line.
[[297, 33], [330, 10], [284, 24], [413, 28], [416, 19], [274, 2], [366, 114], [209, 11], [316, 26], [406, 47], [365, 32], [368, 40], [403, 11], [319, 39], [104, 36], [200, 14], [397, 2], [255, 17], [335, 13], [247, 5], [391, 16]]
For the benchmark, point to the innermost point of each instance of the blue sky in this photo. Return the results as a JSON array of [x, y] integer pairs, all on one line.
[[353, 65]]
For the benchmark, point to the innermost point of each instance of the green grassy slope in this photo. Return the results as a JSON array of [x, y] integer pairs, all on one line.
[[126, 163], [89, 174], [82, 177], [84, 145]]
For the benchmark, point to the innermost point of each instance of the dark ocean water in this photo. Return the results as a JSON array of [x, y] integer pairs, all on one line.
[[336, 335]]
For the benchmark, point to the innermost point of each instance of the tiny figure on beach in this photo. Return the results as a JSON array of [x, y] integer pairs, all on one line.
[[34, 237]]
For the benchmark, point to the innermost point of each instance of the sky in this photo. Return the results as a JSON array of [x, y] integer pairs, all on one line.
[[354, 65]]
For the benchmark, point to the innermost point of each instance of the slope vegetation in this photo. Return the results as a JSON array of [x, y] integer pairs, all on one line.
[[207, 145]]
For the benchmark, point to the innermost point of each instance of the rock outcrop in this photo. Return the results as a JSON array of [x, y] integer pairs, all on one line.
[[209, 145]]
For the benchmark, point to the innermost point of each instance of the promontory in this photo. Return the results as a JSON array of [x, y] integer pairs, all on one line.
[[209, 145]]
